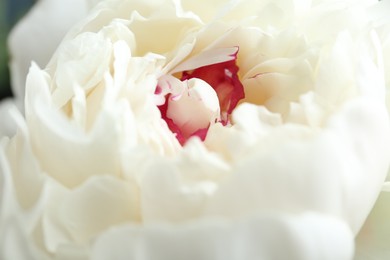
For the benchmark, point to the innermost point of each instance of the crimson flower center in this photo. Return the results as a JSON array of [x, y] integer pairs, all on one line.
[[206, 95]]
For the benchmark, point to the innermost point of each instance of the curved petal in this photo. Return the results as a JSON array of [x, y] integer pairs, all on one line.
[[373, 241], [97, 152], [76, 216], [7, 125], [275, 236], [339, 170], [333, 166], [19, 206], [38, 34]]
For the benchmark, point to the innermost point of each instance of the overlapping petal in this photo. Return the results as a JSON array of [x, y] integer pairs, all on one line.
[[49, 20], [307, 236], [109, 177]]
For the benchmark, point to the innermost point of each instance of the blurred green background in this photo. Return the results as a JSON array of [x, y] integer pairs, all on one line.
[[10, 12]]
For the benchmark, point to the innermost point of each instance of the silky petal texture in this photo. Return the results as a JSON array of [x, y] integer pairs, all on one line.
[[186, 184], [54, 139], [49, 20], [343, 164], [7, 125], [20, 204], [373, 240], [81, 66], [382, 10], [277, 236], [101, 175], [105, 200]]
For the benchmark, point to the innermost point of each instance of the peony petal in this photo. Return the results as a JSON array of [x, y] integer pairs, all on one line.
[[163, 193], [208, 57], [33, 28], [20, 204], [342, 164], [315, 137], [81, 61], [93, 200], [223, 78], [162, 22], [16, 244], [62, 136], [372, 242], [7, 125], [195, 109], [76, 216], [186, 185], [275, 236]]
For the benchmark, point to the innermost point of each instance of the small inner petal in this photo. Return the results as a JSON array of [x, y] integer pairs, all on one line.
[[197, 107], [203, 96], [224, 79]]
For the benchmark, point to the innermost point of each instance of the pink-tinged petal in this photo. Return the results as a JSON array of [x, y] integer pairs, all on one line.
[[223, 77], [175, 129], [201, 133], [171, 125], [196, 108], [167, 84], [204, 95]]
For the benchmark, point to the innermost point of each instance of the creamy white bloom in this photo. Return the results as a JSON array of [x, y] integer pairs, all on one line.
[[178, 129]]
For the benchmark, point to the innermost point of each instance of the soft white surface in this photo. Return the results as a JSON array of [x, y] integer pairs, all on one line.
[[94, 167]]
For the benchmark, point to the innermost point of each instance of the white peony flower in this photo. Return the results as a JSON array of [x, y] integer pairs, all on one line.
[[198, 130]]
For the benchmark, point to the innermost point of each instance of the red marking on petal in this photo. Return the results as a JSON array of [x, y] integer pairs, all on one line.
[[171, 125], [201, 133], [158, 90], [223, 78]]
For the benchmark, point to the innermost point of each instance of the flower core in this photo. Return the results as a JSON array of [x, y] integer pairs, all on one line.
[[201, 97]]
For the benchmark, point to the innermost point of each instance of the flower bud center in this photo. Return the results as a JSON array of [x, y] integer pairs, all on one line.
[[196, 108], [203, 96]]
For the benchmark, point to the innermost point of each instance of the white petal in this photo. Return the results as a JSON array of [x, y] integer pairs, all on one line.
[[373, 240], [42, 28], [339, 170], [7, 125], [94, 200], [206, 58], [55, 138], [76, 216], [164, 193], [307, 236], [20, 204], [16, 244], [83, 62]]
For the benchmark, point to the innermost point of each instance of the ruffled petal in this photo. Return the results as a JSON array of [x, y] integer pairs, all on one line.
[[291, 161], [307, 236], [7, 124], [33, 28], [372, 242], [21, 203]]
